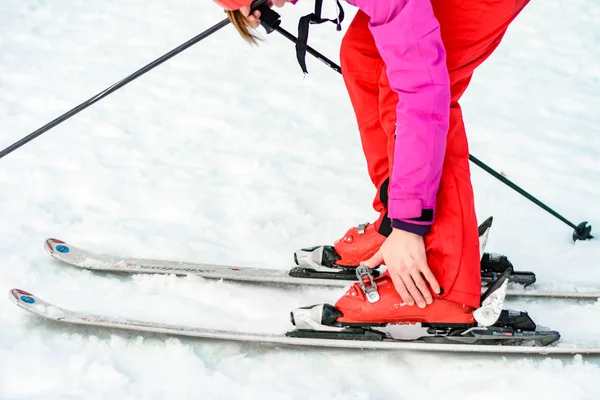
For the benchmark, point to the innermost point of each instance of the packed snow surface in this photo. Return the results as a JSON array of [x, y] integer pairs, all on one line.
[[227, 154]]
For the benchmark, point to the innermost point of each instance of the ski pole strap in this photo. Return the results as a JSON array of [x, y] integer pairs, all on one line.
[[304, 24]]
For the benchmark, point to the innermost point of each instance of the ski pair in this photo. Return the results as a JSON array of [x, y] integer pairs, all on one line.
[[444, 320]]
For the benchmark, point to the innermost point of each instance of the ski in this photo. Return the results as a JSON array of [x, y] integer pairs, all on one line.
[[86, 259], [506, 342]]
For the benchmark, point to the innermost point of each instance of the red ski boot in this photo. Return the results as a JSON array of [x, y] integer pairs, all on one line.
[[362, 242], [358, 244], [376, 302]]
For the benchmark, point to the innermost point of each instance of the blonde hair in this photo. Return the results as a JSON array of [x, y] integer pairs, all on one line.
[[242, 25]]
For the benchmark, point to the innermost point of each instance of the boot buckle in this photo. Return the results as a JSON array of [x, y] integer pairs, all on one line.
[[362, 228], [367, 283]]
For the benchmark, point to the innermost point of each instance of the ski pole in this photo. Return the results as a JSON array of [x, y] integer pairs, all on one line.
[[113, 88], [121, 83], [270, 21], [581, 232]]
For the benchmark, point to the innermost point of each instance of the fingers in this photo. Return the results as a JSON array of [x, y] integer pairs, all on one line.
[[416, 294], [414, 288], [423, 290], [401, 288], [374, 261], [431, 279], [254, 19]]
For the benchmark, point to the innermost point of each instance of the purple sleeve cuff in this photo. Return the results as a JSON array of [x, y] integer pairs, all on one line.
[[417, 229]]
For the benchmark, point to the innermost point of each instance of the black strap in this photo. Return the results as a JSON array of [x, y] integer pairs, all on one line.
[[303, 25], [426, 216]]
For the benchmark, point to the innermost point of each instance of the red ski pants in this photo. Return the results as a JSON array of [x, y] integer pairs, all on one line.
[[471, 30]]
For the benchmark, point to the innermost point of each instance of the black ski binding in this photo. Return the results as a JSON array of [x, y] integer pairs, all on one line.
[[349, 333], [319, 262], [493, 265]]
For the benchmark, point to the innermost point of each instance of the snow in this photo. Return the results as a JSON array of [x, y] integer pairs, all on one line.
[[227, 154]]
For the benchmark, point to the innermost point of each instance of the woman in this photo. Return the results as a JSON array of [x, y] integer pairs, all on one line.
[[406, 63]]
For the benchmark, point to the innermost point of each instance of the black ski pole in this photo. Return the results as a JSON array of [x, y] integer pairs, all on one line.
[[581, 231], [121, 83], [113, 88], [271, 21]]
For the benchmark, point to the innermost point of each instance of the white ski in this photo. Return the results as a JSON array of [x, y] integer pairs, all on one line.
[[81, 258], [37, 306]]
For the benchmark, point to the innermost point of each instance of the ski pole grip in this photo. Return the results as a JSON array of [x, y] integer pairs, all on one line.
[[269, 19]]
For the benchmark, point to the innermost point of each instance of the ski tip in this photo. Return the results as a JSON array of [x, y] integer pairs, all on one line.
[[19, 291], [54, 245], [21, 297], [35, 305], [485, 225]]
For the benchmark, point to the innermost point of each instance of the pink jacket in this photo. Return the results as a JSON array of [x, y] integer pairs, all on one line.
[[408, 38]]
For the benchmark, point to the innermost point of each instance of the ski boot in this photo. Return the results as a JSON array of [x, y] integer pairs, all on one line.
[[374, 302], [358, 244], [340, 260]]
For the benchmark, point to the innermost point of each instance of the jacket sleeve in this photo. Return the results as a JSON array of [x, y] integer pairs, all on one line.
[[408, 38]]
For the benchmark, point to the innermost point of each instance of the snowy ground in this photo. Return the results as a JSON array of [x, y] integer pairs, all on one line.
[[226, 154]]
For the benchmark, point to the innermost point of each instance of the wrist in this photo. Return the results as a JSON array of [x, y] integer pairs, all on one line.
[[416, 229]]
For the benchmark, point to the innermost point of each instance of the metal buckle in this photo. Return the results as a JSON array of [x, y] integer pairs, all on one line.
[[362, 228], [367, 283]]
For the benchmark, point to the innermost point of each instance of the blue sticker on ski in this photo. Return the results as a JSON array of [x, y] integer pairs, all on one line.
[[62, 249]]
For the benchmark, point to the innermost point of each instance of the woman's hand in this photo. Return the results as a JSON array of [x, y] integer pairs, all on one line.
[[254, 19], [403, 253]]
